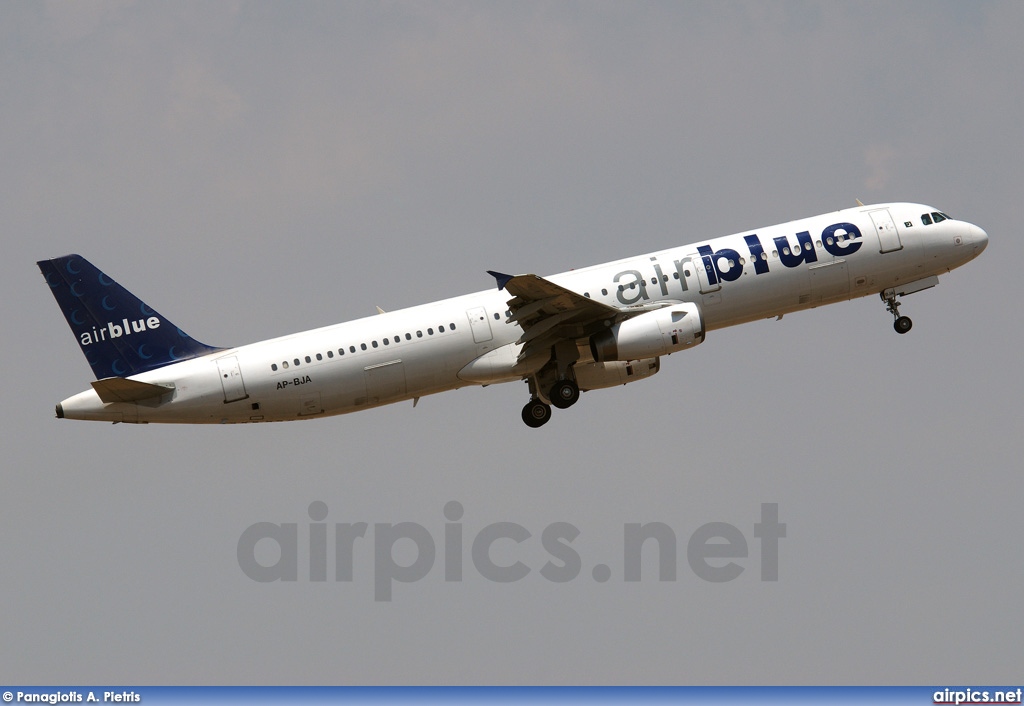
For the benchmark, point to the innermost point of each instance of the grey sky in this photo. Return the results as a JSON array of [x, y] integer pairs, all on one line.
[[252, 169]]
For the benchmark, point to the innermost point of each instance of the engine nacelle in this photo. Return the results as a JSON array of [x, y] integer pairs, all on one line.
[[594, 376], [673, 328]]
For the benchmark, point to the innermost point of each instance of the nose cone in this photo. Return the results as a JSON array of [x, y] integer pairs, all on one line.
[[979, 239]]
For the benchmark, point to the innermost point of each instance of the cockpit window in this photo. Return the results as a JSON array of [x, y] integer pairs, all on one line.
[[938, 217], [926, 219]]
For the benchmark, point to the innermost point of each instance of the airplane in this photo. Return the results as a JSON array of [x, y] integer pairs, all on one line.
[[582, 330]]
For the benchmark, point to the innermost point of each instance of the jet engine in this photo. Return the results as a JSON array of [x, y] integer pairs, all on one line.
[[660, 332]]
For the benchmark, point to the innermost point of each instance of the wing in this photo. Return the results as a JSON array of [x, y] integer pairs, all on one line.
[[549, 313]]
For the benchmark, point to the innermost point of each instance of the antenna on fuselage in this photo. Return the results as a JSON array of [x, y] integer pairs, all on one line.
[[859, 203]]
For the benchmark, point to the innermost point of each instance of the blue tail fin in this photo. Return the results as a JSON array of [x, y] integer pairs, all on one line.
[[118, 333]]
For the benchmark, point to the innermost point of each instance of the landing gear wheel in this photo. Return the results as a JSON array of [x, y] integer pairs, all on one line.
[[902, 324], [564, 394], [536, 413]]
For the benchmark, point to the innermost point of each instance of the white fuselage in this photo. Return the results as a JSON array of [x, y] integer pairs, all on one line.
[[406, 354]]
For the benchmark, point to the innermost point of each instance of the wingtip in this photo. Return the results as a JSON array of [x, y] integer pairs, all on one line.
[[502, 279]]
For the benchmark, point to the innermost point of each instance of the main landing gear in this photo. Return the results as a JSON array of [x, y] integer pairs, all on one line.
[[536, 413], [902, 324], [563, 394]]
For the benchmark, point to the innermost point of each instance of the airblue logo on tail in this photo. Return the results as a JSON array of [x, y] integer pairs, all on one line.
[[117, 332]]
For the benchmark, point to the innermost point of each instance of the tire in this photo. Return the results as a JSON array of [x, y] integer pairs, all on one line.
[[564, 394], [536, 414], [903, 324]]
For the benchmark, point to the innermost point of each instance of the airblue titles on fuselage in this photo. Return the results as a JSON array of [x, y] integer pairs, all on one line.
[[838, 239]]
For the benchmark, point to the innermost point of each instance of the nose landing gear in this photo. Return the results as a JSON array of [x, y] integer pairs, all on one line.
[[902, 324]]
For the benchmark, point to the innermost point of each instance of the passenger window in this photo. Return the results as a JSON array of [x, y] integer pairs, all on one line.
[[308, 359], [408, 336], [387, 341], [352, 349], [497, 316], [604, 292], [362, 346], [440, 329], [330, 354], [296, 361], [374, 344], [397, 339], [319, 357], [419, 334], [284, 364], [273, 366], [451, 326], [430, 332], [926, 219]]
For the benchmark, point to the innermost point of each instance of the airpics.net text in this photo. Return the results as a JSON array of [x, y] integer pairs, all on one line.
[[269, 551]]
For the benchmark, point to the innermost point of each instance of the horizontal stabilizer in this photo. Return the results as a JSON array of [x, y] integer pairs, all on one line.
[[125, 390]]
